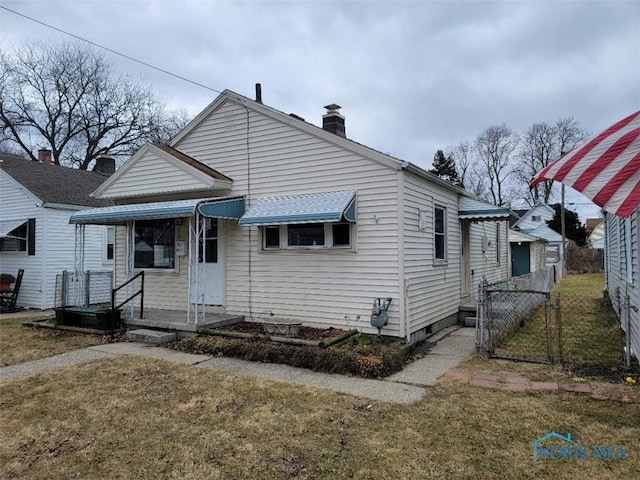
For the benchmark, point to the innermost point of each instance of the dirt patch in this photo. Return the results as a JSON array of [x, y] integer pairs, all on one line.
[[361, 355], [304, 333]]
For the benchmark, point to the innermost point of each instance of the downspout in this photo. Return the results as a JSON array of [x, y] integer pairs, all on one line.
[[403, 286]]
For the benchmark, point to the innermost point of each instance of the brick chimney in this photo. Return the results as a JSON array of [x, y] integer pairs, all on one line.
[[105, 165], [44, 156], [332, 121]]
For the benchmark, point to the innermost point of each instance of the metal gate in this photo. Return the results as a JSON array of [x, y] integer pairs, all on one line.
[[523, 325]]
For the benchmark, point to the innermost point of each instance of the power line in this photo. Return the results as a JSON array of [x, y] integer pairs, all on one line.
[[166, 72]]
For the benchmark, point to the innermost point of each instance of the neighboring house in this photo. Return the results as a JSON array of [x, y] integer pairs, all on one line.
[[528, 253], [534, 222], [622, 272], [254, 212], [37, 199]]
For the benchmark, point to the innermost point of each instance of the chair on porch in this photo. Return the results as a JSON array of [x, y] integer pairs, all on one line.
[[9, 298]]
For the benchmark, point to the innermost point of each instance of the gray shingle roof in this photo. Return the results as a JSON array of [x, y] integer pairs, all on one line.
[[53, 183]]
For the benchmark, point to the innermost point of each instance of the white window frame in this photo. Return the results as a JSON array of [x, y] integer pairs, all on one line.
[[444, 234], [175, 256], [105, 245], [328, 239]]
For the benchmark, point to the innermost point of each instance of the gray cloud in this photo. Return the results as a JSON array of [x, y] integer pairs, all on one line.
[[412, 76]]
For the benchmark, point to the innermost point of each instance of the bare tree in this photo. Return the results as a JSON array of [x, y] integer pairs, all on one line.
[[468, 169], [570, 134], [495, 146], [538, 147], [67, 98], [541, 144]]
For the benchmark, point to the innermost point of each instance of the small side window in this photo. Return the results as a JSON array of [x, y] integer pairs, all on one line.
[[271, 237], [341, 235]]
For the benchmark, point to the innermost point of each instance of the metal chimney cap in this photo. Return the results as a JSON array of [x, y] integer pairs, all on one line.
[[333, 108]]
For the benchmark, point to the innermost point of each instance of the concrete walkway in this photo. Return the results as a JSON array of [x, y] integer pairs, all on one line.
[[406, 387]]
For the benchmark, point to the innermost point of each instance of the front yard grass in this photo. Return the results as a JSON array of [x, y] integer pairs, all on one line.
[[135, 418], [19, 343]]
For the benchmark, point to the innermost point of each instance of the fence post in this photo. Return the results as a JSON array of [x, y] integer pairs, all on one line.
[[558, 309], [480, 325], [87, 288], [64, 287]]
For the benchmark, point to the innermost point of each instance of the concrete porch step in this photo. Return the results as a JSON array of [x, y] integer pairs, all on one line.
[[470, 321], [151, 336]]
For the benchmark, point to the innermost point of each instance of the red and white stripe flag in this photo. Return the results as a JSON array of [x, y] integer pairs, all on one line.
[[606, 169]]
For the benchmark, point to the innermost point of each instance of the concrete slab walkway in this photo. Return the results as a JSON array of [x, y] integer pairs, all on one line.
[[453, 345]]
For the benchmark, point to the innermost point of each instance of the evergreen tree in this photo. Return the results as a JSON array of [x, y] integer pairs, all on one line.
[[574, 230], [445, 168]]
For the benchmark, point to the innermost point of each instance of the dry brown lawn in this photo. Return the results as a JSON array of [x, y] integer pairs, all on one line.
[[20, 344], [134, 418]]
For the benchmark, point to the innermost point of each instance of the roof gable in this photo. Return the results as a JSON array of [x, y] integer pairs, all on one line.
[[294, 121], [542, 209], [145, 173], [54, 183]]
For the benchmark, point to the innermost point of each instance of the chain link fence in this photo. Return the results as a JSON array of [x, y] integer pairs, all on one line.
[[90, 288], [547, 326]]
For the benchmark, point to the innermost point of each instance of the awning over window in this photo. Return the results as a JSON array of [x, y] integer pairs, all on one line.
[[472, 209], [119, 214], [313, 208], [8, 226], [231, 208]]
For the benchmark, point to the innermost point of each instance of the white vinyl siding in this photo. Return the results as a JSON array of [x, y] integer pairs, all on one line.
[[433, 291], [483, 263], [621, 251], [144, 178], [55, 246], [321, 288]]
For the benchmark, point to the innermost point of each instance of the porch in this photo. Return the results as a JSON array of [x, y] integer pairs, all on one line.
[[177, 320]]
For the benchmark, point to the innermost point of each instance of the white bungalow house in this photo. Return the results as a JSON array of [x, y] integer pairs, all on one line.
[[251, 211], [37, 199], [533, 222], [622, 271]]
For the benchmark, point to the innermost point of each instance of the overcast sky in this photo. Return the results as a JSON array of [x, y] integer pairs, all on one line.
[[411, 76]]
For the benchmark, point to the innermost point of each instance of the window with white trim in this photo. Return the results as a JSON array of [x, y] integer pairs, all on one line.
[[109, 244], [155, 244], [307, 236], [21, 239], [440, 233]]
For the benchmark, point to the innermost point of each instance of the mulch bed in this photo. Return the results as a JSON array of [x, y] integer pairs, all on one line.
[[305, 333]]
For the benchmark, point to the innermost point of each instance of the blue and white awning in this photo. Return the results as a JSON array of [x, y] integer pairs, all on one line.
[[312, 208], [212, 207], [472, 209]]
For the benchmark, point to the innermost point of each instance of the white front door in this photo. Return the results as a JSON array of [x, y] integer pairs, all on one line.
[[211, 258]]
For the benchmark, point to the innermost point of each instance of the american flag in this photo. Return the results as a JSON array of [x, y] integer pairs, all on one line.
[[606, 168]]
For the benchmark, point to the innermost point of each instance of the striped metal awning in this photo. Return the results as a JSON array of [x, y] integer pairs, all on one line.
[[224, 207], [472, 209], [312, 208]]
